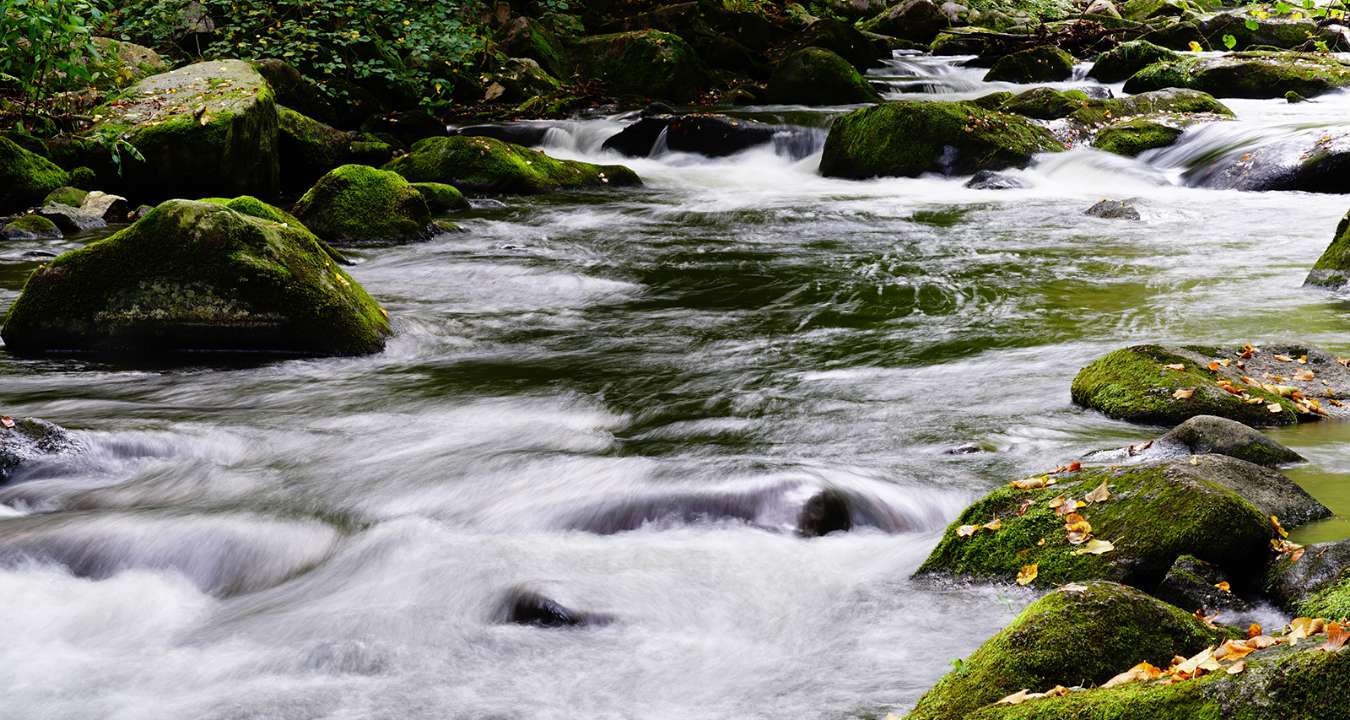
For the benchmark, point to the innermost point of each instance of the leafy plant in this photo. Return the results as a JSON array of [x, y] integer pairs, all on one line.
[[47, 45]]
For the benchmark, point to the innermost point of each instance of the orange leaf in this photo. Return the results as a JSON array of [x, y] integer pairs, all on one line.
[[1336, 637], [1176, 366], [7, 422], [1027, 574], [1224, 586], [1183, 393], [1253, 630]]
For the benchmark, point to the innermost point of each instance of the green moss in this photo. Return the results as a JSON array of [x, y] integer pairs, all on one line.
[[356, 203], [25, 177], [195, 276], [1332, 601], [1170, 101], [1045, 103], [308, 148], [30, 227], [1134, 384], [1070, 637], [1246, 75], [480, 164], [441, 197], [645, 63], [65, 195], [815, 76], [1158, 512], [528, 38], [1046, 63], [83, 178], [909, 138], [1119, 63], [1148, 9], [1131, 137], [993, 100], [1332, 269]]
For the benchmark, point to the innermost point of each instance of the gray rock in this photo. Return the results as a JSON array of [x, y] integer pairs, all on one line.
[[1290, 581], [990, 180], [1113, 210], [1192, 584], [1211, 434], [1269, 490], [110, 208], [29, 439], [71, 219], [523, 606]]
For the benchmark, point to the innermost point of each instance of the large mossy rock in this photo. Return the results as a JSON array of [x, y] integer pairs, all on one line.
[[1168, 384], [28, 440], [1136, 135], [205, 129], [1119, 63], [914, 20], [308, 148], [910, 138], [1211, 506], [1246, 75], [360, 204], [30, 227], [1041, 103], [1205, 434], [25, 177], [1172, 102], [487, 165], [1046, 63], [815, 76], [643, 63], [120, 63], [1075, 636], [530, 38], [196, 276], [1314, 584], [1280, 683], [1332, 269]]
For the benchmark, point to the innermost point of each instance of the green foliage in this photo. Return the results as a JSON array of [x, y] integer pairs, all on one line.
[[414, 46], [44, 40]]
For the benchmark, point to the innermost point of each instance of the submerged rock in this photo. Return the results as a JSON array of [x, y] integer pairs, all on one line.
[[827, 511], [910, 138], [359, 204], [481, 164], [1213, 507], [523, 606], [815, 76], [705, 134], [30, 227], [25, 177], [644, 63], [1169, 384], [1246, 75], [1316, 160], [30, 438], [196, 276], [1113, 210], [1079, 635], [990, 180], [1045, 63], [1119, 63]]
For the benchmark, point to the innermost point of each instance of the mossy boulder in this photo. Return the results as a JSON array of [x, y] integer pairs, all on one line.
[[1194, 583], [1045, 103], [1079, 635], [963, 41], [1119, 63], [1246, 75], [1315, 584], [30, 439], [487, 165], [1280, 683], [1205, 434], [308, 148], [441, 198], [815, 76], [913, 20], [65, 195], [1157, 512], [909, 138], [1134, 136], [1332, 269], [196, 277], [1151, 9], [83, 178], [530, 38], [1171, 102], [30, 227], [303, 95], [1166, 385], [643, 63], [360, 204], [25, 177], [205, 129], [1270, 32], [121, 63], [1045, 63]]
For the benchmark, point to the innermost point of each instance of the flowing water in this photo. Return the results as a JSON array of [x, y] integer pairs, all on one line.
[[622, 401]]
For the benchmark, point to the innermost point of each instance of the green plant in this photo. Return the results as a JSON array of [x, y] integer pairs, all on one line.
[[47, 45]]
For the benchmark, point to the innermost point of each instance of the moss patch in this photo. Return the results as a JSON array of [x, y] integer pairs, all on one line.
[[644, 63], [30, 227], [25, 177], [1119, 63], [1132, 137], [815, 76], [1046, 63], [1246, 75], [1045, 103], [1332, 269], [356, 204], [487, 165], [195, 276], [441, 197]]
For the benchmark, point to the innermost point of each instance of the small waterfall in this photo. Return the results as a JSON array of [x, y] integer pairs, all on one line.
[[662, 144]]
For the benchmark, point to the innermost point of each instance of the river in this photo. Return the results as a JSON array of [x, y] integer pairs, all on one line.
[[333, 538]]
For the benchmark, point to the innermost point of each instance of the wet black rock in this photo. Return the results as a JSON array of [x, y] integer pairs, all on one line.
[[529, 134], [710, 135], [27, 440], [1193, 584], [826, 512], [1113, 210], [523, 606], [990, 180]]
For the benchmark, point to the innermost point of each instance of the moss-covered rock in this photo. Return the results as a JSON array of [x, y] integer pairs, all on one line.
[[192, 277], [1045, 103], [27, 440], [65, 195], [1281, 683], [360, 204], [83, 178], [121, 63], [1194, 583], [1134, 136], [1143, 384], [815, 76], [1079, 635], [205, 129], [1332, 269], [962, 41], [1119, 63], [518, 80], [487, 165], [441, 197], [1150, 9], [30, 227], [1315, 583], [914, 20], [1157, 512], [1270, 32], [530, 38], [1045, 63], [862, 49], [643, 63], [909, 138], [253, 207], [1205, 434], [1246, 75], [1158, 102], [25, 177], [308, 148]]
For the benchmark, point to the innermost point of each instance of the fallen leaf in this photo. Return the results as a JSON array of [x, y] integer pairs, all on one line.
[[1303, 627], [1337, 634], [1253, 630], [1234, 650], [1275, 408], [1198, 664], [1237, 667], [1302, 359], [1016, 698], [1095, 547], [1024, 507], [7, 422], [1027, 574], [994, 525], [1305, 375], [1176, 366], [1183, 393], [1073, 587], [1213, 366], [1035, 483], [966, 530], [1261, 642], [1224, 586], [1142, 672], [1208, 620], [1284, 358], [1100, 495], [1057, 502], [1278, 528], [1247, 351]]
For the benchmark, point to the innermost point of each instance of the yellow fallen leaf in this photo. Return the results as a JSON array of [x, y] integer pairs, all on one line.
[[1237, 667], [1303, 627], [1194, 46], [1284, 358], [1142, 672], [1261, 642], [1183, 393], [1016, 698], [1224, 586], [994, 525], [1027, 574], [1233, 650], [1095, 547], [1275, 408], [1253, 630], [1101, 494], [1057, 501], [1278, 528], [1035, 483], [1176, 366], [966, 531], [1302, 359]]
